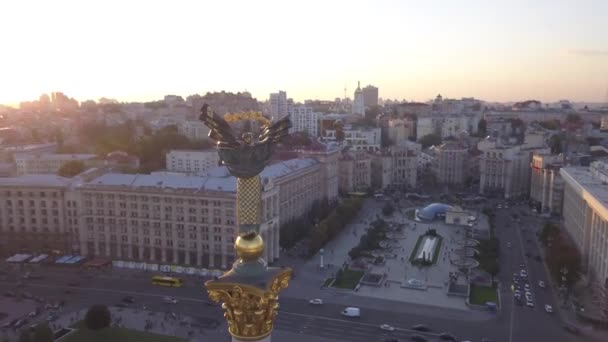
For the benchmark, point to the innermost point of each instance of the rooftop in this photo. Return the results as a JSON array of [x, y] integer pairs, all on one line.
[[36, 181], [58, 156], [217, 179], [592, 185]]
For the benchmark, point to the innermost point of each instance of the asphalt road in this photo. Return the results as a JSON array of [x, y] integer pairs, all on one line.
[[513, 323]]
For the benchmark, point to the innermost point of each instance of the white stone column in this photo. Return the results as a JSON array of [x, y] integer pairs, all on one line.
[[224, 257], [187, 252], [211, 257], [277, 248]]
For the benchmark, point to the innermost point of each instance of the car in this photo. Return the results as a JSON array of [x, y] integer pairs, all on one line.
[[10, 323], [447, 337], [548, 308], [316, 301], [522, 266], [541, 284], [32, 314], [530, 304], [129, 299], [527, 286], [169, 300], [418, 338], [387, 327]]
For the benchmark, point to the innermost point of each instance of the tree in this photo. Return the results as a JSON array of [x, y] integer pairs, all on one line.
[[388, 209], [555, 143], [25, 336], [482, 127], [42, 333], [548, 233], [562, 255], [97, 317], [430, 140], [71, 168]]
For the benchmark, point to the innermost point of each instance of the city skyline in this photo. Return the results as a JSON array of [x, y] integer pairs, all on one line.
[[548, 50]]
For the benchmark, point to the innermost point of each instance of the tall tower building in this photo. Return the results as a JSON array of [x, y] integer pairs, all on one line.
[[370, 96], [358, 103], [278, 105]]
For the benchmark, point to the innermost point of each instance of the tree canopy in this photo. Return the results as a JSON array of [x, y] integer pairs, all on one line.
[[71, 168], [430, 140], [97, 317]]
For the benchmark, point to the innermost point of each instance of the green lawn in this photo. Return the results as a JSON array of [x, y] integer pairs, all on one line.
[[480, 295], [117, 335], [348, 279], [328, 282]]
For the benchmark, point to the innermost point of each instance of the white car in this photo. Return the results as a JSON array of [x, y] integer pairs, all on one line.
[[541, 284], [387, 327], [530, 303], [548, 308], [170, 300], [316, 301]]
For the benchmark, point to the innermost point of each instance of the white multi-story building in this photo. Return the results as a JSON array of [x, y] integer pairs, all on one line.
[[303, 119], [355, 171], [34, 214], [546, 184], [450, 163], [368, 139], [400, 130], [585, 216], [192, 161], [278, 105], [28, 164], [161, 217], [447, 125], [359, 101], [193, 129]]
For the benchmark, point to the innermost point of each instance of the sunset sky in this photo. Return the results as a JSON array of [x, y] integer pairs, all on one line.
[[141, 50]]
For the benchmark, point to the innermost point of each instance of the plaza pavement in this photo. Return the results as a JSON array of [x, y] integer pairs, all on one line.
[[398, 270]]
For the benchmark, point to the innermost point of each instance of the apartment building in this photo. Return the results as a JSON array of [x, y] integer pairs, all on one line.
[[400, 130], [449, 163], [585, 216], [192, 161], [28, 164], [329, 157], [168, 218], [303, 119], [193, 129], [355, 171], [546, 183], [364, 139], [33, 214], [404, 164]]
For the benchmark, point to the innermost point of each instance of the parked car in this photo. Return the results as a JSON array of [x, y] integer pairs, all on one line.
[[387, 327], [129, 299], [316, 301]]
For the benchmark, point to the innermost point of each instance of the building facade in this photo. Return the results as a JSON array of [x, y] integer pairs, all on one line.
[[329, 158], [28, 164], [546, 184], [370, 96], [358, 101], [303, 119], [404, 164], [193, 129], [358, 139], [449, 163], [355, 171], [585, 216], [33, 214], [192, 161], [278, 105]]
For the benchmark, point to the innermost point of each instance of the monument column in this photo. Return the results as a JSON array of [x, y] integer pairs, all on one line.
[[250, 290]]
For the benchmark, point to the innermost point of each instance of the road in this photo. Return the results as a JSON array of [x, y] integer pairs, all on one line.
[[525, 324], [513, 323]]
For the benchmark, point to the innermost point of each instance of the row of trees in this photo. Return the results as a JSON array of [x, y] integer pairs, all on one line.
[[562, 257], [370, 240], [297, 229], [488, 256], [334, 223]]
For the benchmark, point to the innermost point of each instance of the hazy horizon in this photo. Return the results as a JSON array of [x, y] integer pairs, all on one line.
[[132, 51]]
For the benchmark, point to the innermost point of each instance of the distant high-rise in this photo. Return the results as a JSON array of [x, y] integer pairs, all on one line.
[[358, 103], [278, 105], [370, 96]]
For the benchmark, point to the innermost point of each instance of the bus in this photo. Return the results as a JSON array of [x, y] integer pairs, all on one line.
[[167, 281]]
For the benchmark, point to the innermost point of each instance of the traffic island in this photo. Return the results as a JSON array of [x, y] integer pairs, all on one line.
[[347, 279], [480, 295]]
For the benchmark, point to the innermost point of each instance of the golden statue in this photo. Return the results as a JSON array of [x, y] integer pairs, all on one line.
[[249, 291]]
